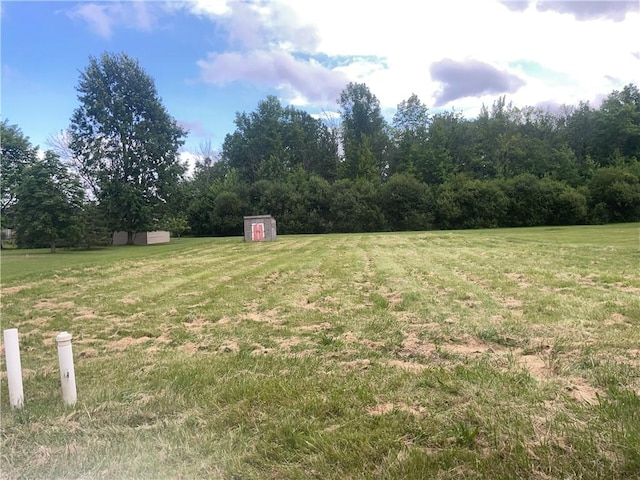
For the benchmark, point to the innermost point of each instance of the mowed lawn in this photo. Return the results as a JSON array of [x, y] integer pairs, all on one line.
[[437, 355]]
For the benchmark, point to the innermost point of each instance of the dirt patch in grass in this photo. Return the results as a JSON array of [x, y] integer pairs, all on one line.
[[88, 353], [581, 391], [306, 304], [408, 366], [469, 345], [537, 367], [85, 315], [511, 303], [39, 321], [229, 346], [16, 289], [163, 339], [627, 288], [196, 325], [260, 350], [129, 301], [48, 305], [520, 278], [126, 342], [271, 317], [349, 337], [356, 365], [469, 303], [287, 343], [469, 277], [304, 353], [413, 346], [394, 298], [372, 344], [616, 319], [385, 408], [318, 327], [189, 347], [380, 409], [49, 338]]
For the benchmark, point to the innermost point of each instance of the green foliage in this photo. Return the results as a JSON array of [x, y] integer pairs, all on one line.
[[483, 355], [177, 224], [410, 136], [534, 201], [227, 214], [49, 202], [126, 141], [16, 153], [364, 133], [94, 231], [614, 195], [355, 206], [407, 204], [272, 141], [468, 203]]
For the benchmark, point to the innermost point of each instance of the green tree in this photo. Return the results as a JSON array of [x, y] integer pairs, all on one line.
[[410, 135], [614, 195], [451, 148], [407, 203], [49, 204], [355, 206], [94, 231], [273, 140], [618, 125], [126, 140], [227, 214], [470, 203], [365, 136], [533, 201], [16, 153]]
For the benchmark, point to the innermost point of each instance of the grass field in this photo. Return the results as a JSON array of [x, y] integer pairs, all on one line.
[[436, 355]]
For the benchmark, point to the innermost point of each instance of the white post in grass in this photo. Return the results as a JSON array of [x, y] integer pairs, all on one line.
[[67, 372], [14, 367]]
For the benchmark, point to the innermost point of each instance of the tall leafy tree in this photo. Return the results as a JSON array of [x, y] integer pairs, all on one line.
[[126, 140], [49, 204], [16, 153], [618, 129], [273, 140], [451, 147], [410, 134], [365, 136]]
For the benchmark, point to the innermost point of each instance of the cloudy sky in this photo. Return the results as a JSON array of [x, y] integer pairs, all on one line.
[[213, 58]]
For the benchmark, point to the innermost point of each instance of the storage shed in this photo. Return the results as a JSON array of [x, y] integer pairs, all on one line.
[[259, 228], [142, 238]]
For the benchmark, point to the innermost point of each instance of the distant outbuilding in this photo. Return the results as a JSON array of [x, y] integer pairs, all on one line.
[[259, 228], [142, 238]]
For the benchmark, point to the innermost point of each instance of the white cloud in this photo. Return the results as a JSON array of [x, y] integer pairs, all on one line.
[[411, 36], [275, 69], [99, 17], [190, 159], [104, 17]]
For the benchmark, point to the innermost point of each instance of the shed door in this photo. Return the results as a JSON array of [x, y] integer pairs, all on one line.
[[257, 232]]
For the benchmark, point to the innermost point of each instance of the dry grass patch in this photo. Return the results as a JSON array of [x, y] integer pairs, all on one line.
[[491, 354]]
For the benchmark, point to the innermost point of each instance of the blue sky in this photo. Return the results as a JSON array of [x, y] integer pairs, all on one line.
[[213, 58]]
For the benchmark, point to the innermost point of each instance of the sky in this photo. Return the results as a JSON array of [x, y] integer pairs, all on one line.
[[213, 58]]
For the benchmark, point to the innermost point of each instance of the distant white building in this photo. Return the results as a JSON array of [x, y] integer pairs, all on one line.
[[142, 238]]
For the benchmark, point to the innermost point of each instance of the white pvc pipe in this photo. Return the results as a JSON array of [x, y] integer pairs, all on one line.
[[14, 367], [67, 372]]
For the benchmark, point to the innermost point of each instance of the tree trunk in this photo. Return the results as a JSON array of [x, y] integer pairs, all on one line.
[[53, 246], [130, 238]]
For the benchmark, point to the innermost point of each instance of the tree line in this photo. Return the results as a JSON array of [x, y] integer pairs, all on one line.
[[117, 166]]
